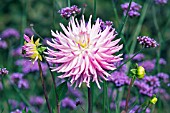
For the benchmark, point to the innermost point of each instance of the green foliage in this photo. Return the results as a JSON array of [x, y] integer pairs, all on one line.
[[62, 90]]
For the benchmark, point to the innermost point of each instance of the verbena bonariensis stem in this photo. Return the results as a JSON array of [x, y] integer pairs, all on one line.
[[128, 95], [89, 101], [44, 87], [55, 87]]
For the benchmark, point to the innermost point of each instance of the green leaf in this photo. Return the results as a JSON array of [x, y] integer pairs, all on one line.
[[62, 90], [23, 111], [133, 71], [41, 49]]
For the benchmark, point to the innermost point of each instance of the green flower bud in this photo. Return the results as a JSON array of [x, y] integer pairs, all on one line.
[[140, 72], [153, 100]]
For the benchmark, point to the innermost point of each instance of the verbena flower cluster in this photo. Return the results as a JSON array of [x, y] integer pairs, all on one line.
[[85, 52], [17, 78], [105, 24], [133, 11], [147, 42], [10, 32], [69, 11], [3, 71], [161, 1]]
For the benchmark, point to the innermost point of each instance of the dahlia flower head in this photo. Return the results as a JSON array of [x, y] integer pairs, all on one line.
[[30, 49], [84, 52]]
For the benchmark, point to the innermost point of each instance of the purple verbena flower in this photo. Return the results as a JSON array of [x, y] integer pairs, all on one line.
[[36, 100], [17, 52], [28, 66], [10, 32], [3, 44], [13, 103], [164, 77], [148, 65], [105, 24], [22, 83], [17, 111], [3, 71], [67, 12], [148, 85], [138, 57], [74, 92], [147, 42], [161, 61], [133, 11], [28, 32], [153, 81], [15, 77], [68, 103], [119, 78], [162, 2]]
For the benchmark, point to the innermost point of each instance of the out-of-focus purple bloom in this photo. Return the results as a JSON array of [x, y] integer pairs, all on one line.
[[13, 103], [164, 77], [3, 71], [164, 94], [168, 84], [68, 103], [161, 61], [133, 11], [138, 57], [148, 85], [1, 87], [105, 24], [67, 12], [162, 2], [17, 51], [15, 77], [153, 81], [28, 66], [36, 100], [148, 65], [147, 42], [119, 78], [22, 83], [45, 40], [28, 32], [123, 68], [133, 110], [74, 92], [10, 32], [17, 111], [3, 44]]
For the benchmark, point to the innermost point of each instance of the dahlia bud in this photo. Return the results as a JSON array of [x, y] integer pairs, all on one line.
[[140, 72], [153, 100]]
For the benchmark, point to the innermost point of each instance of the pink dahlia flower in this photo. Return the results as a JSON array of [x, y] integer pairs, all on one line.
[[84, 52]]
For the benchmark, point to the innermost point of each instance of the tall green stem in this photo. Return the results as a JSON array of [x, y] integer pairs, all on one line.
[[126, 61], [159, 37], [139, 26], [89, 101], [128, 95], [115, 12], [125, 18], [68, 3], [55, 87], [4, 90], [44, 87], [94, 10]]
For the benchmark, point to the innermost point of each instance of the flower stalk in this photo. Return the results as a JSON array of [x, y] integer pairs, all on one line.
[[89, 101], [44, 87], [55, 87], [128, 95]]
